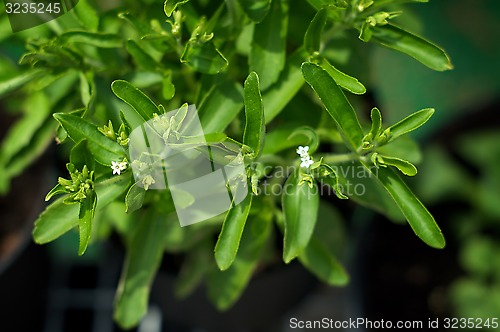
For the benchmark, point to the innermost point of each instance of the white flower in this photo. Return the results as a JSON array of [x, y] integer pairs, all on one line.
[[303, 151], [306, 162], [147, 181], [118, 166]]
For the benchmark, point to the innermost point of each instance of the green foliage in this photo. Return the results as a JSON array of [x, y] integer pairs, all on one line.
[[231, 232], [254, 132], [244, 67], [145, 251], [300, 206], [267, 55]]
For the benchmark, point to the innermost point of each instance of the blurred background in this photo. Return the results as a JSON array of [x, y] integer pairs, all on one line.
[[395, 276]]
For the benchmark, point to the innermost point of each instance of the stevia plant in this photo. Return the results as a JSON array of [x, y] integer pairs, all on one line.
[[101, 73]]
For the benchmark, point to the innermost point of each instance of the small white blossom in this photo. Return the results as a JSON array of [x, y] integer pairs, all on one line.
[[303, 151], [118, 166], [306, 162], [147, 181]]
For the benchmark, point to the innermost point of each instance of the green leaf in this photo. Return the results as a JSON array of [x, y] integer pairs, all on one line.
[[323, 264], [409, 123], [220, 106], [225, 287], [289, 83], [404, 166], [86, 216], [312, 38], [366, 32], [420, 49], [22, 132], [180, 115], [168, 88], [102, 40], [103, 149], [87, 15], [376, 118], [335, 8], [57, 190], [312, 139], [14, 83], [135, 198], [203, 57], [345, 81], [134, 97], [256, 10], [419, 218], [267, 56], [230, 235], [360, 185], [42, 139], [142, 27], [141, 58], [143, 259], [300, 207], [327, 243], [86, 87], [171, 5], [181, 239], [194, 269], [80, 156], [27, 138], [58, 218], [333, 180], [335, 102], [404, 147], [212, 138], [255, 127]]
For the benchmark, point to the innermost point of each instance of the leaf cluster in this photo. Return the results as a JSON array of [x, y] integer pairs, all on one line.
[[245, 65]]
